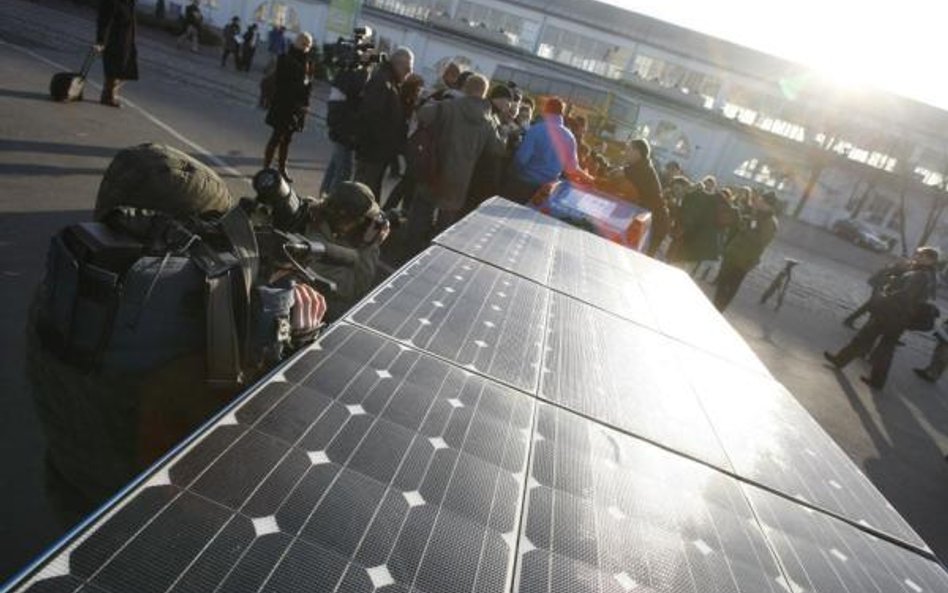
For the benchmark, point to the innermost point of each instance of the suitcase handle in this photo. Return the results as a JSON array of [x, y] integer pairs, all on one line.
[[87, 63]]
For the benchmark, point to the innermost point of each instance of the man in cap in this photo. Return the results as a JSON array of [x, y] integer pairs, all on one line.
[[350, 219], [743, 251]]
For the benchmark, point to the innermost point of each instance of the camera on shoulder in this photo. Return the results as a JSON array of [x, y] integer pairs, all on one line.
[[354, 52]]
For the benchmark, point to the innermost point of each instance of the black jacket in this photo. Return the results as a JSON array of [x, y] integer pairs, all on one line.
[[342, 109], [291, 91], [903, 295], [193, 16], [643, 176], [115, 29], [381, 125]]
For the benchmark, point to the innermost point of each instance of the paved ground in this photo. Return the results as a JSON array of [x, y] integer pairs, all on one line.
[[52, 156]]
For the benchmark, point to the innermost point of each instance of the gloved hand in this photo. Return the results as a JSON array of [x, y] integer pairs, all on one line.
[[306, 316]]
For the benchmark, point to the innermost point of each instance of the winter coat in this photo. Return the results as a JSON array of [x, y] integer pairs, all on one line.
[[902, 296], [466, 130], [115, 29], [649, 189], [291, 92], [750, 241], [352, 281], [697, 222], [381, 124], [489, 171], [230, 33], [193, 17], [342, 109]]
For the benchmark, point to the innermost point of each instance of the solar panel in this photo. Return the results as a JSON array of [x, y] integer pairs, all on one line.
[[772, 440], [624, 375], [601, 273], [480, 424], [365, 465], [819, 553], [468, 312], [606, 512]]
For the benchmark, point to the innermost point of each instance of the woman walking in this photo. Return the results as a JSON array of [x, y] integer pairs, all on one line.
[[115, 40], [287, 112]]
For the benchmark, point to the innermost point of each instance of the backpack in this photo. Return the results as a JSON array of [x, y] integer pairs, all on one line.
[[421, 152], [159, 177], [141, 289]]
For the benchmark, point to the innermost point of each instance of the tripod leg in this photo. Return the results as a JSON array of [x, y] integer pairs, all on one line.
[[772, 288], [783, 291]]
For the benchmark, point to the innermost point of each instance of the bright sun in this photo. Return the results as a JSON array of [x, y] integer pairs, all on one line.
[[896, 47]]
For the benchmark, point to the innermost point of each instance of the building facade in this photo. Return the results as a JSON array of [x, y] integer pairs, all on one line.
[[715, 107]]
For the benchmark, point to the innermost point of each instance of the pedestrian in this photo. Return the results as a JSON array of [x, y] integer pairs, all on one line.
[[709, 183], [248, 48], [522, 122], [490, 168], [640, 172], [276, 44], [876, 282], [232, 41], [287, 113], [578, 126], [900, 301], [115, 40], [547, 152], [939, 361], [464, 131], [671, 170], [411, 91], [450, 84], [193, 19], [342, 111], [743, 252], [382, 126], [697, 239]]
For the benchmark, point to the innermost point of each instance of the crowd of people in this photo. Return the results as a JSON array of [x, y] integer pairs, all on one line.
[[237, 42], [464, 140]]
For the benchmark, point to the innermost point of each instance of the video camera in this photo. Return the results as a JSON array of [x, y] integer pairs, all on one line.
[[351, 54]]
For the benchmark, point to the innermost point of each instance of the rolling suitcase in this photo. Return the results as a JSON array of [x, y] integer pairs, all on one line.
[[68, 86]]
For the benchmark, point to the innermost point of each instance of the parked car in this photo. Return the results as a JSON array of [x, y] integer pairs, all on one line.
[[860, 235]]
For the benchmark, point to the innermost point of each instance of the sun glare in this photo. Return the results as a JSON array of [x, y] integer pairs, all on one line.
[[856, 45]]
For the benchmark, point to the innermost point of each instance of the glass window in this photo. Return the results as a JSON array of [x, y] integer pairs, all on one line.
[[746, 169]]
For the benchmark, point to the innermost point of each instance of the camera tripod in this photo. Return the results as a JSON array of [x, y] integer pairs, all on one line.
[[780, 284]]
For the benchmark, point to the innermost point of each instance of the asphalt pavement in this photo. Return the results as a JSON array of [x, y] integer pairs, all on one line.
[[52, 157]]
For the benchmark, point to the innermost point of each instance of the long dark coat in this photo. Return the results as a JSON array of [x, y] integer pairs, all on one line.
[[381, 122], [697, 220], [291, 92], [115, 29]]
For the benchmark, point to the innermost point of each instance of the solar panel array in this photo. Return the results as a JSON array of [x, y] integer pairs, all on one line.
[[523, 407]]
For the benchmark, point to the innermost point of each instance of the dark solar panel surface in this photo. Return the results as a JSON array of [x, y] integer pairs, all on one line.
[[487, 421]]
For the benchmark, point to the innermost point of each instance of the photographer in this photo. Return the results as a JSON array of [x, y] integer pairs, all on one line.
[[382, 125], [287, 113], [342, 111], [349, 219]]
